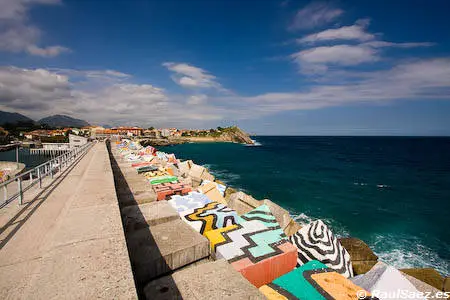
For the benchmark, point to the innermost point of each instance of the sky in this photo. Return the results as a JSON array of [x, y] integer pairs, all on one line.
[[272, 67]]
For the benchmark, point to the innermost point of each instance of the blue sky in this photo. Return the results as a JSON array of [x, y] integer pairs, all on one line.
[[272, 67]]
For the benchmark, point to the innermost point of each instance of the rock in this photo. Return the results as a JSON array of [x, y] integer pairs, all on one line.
[[283, 217], [358, 250], [427, 275], [212, 280], [362, 267], [242, 203], [362, 257]]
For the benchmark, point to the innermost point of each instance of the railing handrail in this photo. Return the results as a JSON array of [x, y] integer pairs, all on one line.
[[61, 159]]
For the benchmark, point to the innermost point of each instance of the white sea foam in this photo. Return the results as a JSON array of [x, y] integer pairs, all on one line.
[[255, 144], [303, 219], [383, 186], [408, 252]]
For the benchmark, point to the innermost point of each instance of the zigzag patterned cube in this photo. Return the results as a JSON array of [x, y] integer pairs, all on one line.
[[165, 190], [189, 201], [209, 217], [316, 242], [312, 281], [257, 252], [263, 214]]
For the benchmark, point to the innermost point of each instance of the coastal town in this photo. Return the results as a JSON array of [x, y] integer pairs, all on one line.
[[61, 135]]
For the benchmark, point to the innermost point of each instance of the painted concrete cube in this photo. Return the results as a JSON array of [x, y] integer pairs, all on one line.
[[316, 242], [210, 190], [190, 201], [263, 214], [162, 179], [165, 190], [254, 250], [313, 281], [209, 217], [220, 187]]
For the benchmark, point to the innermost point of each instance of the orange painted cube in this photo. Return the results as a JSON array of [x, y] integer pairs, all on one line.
[[254, 250], [165, 190]]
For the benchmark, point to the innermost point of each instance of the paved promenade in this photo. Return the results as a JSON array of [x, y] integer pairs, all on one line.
[[67, 241]]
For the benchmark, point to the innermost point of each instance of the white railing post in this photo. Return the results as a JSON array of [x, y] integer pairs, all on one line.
[[19, 185], [51, 169], [5, 192], [39, 177]]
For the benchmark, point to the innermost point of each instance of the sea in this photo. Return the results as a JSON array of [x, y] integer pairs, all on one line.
[[391, 192], [30, 160]]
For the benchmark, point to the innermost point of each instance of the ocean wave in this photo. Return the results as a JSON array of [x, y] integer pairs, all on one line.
[[255, 144], [304, 219], [383, 186], [408, 252]]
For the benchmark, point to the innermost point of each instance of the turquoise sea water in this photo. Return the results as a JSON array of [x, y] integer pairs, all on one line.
[[391, 192]]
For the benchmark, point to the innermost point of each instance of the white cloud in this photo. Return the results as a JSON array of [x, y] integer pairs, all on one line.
[[317, 59], [189, 76], [382, 44], [423, 79], [314, 15], [38, 93], [99, 96], [368, 49], [49, 51], [355, 32], [17, 35], [197, 99]]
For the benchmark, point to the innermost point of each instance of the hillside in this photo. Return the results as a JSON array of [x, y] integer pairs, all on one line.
[[62, 121], [13, 118]]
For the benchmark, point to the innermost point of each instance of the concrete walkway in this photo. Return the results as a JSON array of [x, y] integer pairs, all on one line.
[[67, 242]]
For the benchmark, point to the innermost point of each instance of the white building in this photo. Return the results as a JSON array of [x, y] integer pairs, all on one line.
[[77, 141], [165, 132]]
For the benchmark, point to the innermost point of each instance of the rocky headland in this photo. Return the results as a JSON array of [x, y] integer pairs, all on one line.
[[231, 134]]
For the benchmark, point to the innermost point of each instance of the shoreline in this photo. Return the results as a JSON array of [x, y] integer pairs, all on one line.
[[362, 256]]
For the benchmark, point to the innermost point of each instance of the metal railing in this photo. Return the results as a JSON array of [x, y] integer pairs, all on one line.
[[15, 188]]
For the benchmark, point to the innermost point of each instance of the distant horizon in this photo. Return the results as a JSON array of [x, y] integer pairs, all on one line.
[[304, 135]]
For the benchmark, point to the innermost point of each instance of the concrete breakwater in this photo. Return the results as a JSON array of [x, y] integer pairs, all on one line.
[[190, 236]]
